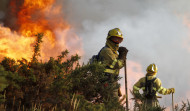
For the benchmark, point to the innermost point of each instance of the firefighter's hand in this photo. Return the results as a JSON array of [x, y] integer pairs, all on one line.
[[123, 50], [122, 53], [172, 90]]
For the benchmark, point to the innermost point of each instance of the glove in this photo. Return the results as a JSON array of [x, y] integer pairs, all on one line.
[[123, 49], [119, 92], [122, 53], [172, 90]]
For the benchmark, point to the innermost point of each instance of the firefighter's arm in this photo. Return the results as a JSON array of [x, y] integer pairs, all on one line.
[[163, 90], [137, 86], [111, 59]]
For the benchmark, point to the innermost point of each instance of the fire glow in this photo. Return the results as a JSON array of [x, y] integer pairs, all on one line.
[[32, 17]]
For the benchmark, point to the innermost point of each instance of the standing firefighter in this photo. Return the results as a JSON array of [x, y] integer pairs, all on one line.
[[150, 86], [110, 57]]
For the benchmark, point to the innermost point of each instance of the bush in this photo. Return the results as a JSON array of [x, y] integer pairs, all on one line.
[[58, 84]]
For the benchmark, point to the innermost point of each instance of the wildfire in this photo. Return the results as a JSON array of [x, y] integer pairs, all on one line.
[[14, 45], [32, 17]]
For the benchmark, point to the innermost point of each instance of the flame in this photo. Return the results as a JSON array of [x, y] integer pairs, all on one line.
[[38, 16], [14, 45]]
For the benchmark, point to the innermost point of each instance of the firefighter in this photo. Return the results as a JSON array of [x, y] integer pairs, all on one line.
[[110, 57], [150, 86]]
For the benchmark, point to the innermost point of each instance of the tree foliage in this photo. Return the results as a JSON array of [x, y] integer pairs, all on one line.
[[59, 84]]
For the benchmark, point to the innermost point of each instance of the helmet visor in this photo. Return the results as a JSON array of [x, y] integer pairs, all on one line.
[[116, 39]]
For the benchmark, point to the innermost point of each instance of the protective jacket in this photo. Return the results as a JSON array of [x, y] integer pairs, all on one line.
[[109, 57], [157, 85]]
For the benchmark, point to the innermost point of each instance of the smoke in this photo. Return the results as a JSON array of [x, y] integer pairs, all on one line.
[[154, 31], [3, 4]]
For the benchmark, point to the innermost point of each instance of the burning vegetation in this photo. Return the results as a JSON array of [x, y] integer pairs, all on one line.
[[33, 74], [25, 18], [56, 85]]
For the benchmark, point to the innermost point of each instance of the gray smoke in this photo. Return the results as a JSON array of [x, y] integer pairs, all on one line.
[[154, 32], [3, 8]]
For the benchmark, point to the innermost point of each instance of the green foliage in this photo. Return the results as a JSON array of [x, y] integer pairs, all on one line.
[[88, 106], [58, 84], [9, 64], [37, 47], [140, 104], [3, 83], [89, 80]]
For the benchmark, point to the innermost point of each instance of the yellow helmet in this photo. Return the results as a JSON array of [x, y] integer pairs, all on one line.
[[116, 32], [152, 68]]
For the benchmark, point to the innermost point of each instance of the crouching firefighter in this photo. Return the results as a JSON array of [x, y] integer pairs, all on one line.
[[111, 59], [150, 85]]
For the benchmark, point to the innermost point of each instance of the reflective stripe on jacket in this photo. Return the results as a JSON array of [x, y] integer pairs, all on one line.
[[157, 86], [110, 58]]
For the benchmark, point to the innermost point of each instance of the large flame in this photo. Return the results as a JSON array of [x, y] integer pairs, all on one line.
[[14, 45], [32, 17]]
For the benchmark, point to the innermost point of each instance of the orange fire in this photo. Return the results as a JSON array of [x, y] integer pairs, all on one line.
[[37, 16], [14, 45]]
